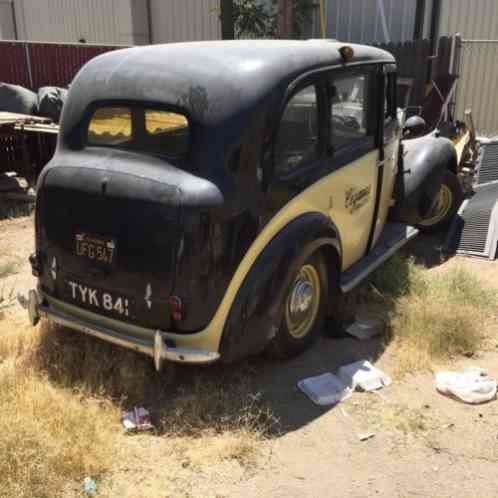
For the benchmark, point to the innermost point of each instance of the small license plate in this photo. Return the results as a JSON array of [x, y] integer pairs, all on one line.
[[99, 299], [95, 248]]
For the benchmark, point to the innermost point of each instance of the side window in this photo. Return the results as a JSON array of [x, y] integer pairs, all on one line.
[[348, 109], [297, 138]]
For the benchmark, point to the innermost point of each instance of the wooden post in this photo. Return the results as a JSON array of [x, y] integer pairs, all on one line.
[[227, 23], [285, 18]]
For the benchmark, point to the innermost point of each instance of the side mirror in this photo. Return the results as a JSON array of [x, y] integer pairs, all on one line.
[[414, 127]]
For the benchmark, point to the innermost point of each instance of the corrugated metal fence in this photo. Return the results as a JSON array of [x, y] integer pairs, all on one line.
[[363, 21], [413, 63], [38, 64], [477, 87]]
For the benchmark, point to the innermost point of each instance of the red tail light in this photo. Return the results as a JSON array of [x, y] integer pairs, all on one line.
[[175, 306]]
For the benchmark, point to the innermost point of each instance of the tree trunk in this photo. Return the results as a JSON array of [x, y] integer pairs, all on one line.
[[285, 18], [227, 24]]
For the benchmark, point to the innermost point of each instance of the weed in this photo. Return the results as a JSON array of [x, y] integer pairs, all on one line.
[[435, 315]]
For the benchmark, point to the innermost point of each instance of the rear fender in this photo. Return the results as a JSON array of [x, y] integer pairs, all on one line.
[[255, 315]]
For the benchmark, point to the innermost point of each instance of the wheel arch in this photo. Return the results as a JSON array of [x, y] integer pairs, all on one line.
[[256, 310]]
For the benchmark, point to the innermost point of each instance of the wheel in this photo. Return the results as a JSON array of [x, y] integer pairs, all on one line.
[[304, 309], [450, 198]]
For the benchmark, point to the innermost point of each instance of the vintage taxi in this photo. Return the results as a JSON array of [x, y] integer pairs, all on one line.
[[212, 200]]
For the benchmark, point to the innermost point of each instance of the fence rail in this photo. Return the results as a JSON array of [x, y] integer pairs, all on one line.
[[39, 64]]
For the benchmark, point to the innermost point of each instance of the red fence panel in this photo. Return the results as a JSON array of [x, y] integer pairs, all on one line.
[[57, 65], [40, 64], [13, 64]]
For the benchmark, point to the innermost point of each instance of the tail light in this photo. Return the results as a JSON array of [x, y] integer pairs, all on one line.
[[175, 306]]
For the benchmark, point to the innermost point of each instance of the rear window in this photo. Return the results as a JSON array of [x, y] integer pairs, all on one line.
[[141, 129]]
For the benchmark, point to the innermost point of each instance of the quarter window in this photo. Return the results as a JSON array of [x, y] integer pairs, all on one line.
[[349, 96], [297, 139], [110, 126]]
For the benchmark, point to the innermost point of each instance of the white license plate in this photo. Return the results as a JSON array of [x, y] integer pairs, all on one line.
[[99, 299]]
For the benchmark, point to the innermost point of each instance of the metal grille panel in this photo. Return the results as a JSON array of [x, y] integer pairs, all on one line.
[[487, 165], [474, 231]]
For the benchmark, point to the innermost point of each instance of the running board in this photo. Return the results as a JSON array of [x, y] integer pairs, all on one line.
[[394, 236]]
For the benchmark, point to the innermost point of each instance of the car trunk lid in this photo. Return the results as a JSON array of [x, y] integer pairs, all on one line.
[[110, 233]]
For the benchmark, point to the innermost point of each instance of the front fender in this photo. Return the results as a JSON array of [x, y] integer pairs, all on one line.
[[255, 315], [424, 161]]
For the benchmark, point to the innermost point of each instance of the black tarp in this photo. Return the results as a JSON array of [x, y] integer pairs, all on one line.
[[14, 98]]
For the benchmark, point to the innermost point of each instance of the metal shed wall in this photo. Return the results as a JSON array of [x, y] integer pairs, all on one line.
[[477, 22], [7, 26], [360, 21], [97, 21], [476, 19], [184, 20]]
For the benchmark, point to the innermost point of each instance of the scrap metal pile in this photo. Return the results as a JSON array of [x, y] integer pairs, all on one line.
[[28, 134]]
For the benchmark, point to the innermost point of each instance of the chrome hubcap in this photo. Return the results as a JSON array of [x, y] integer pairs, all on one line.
[[303, 302], [300, 299]]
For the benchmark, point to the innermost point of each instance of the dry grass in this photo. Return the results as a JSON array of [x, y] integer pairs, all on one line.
[[381, 415], [6, 299], [435, 315], [9, 268], [61, 395], [49, 436]]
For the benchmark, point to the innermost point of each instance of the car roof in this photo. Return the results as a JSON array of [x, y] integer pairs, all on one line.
[[211, 80]]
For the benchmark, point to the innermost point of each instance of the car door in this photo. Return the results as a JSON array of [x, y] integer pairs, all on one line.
[[390, 140], [325, 158], [296, 159], [353, 157]]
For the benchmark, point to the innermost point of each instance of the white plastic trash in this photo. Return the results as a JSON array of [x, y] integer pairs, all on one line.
[[470, 386], [137, 420], [364, 376], [326, 389]]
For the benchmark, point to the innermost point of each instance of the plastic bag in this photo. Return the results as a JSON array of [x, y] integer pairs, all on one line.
[[14, 98], [470, 386], [363, 375]]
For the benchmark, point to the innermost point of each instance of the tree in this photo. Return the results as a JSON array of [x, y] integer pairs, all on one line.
[[265, 19]]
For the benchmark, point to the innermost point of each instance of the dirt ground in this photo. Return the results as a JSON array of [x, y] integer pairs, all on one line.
[[425, 444]]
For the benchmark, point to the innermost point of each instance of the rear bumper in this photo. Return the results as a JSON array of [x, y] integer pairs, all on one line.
[[152, 343]]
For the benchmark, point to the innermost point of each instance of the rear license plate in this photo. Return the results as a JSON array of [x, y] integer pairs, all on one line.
[[95, 248], [100, 300]]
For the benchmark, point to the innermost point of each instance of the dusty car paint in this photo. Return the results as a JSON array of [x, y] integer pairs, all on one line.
[[228, 212]]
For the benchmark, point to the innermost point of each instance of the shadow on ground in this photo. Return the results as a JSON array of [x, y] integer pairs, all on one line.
[[217, 397], [214, 397], [427, 249]]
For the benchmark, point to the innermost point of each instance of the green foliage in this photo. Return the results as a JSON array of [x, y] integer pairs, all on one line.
[[253, 19], [259, 19]]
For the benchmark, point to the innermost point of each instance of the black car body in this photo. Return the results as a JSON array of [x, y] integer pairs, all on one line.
[[203, 193]]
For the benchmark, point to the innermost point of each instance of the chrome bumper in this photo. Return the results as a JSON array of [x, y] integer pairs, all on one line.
[[158, 350]]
